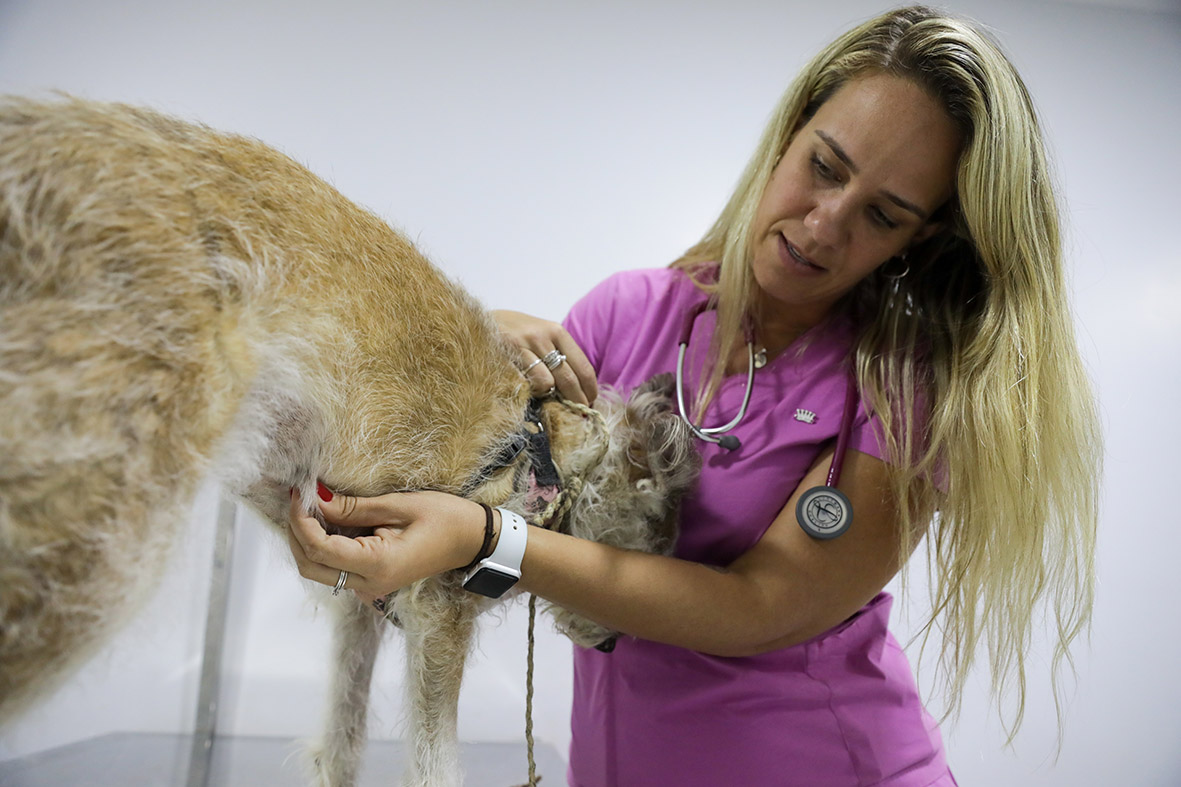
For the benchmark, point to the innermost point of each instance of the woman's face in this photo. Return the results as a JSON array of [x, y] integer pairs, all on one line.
[[856, 186]]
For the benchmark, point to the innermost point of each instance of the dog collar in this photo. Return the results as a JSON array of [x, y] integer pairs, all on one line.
[[544, 484]]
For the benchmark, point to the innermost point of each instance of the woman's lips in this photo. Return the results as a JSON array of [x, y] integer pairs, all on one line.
[[792, 257]]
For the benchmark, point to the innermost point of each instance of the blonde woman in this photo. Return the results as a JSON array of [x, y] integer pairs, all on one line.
[[893, 243]]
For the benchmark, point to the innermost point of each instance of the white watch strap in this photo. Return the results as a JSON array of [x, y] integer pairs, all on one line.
[[510, 547]]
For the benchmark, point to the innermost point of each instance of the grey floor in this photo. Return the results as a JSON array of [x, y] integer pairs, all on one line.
[[151, 760]]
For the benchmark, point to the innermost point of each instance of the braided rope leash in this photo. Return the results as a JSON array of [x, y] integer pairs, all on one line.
[[533, 777], [553, 513]]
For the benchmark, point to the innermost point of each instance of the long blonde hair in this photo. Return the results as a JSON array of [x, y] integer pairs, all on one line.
[[969, 361]]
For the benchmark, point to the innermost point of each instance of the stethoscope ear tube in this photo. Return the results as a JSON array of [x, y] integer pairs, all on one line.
[[710, 433], [714, 434]]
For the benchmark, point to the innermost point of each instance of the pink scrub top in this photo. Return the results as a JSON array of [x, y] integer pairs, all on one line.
[[841, 709]]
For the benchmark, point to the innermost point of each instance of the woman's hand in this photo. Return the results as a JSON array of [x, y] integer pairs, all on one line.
[[535, 337], [413, 535]]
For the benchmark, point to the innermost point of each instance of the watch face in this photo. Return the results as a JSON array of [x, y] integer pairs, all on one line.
[[824, 512], [490, 582]]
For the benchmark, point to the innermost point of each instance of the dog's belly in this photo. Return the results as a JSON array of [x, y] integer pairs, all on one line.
[[275, 441]]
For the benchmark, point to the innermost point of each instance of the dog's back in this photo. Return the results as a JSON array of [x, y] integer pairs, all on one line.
[[176, 303]]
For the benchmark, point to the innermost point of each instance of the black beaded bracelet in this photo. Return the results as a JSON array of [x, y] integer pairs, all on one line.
[[485, 547]]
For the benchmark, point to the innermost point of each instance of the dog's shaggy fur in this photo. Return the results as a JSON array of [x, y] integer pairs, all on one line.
[[177, 304]]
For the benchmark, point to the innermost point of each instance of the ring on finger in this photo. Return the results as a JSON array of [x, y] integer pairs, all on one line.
[[344, 577], [553, 359], [530, 366]]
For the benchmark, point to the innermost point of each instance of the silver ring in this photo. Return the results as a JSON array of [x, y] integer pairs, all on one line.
[[530, 366], [344, 576], [553, 359]]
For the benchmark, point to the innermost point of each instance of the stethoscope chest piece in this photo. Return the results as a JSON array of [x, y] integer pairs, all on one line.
[[824, 512]]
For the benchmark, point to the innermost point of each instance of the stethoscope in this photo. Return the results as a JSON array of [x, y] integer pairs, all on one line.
[[822, 511]]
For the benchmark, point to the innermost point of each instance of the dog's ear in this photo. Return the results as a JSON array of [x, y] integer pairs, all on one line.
[[673, 460], [661, 441], [654, 396]]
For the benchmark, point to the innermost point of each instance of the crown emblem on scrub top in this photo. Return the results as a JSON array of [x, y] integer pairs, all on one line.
[[807, 416]]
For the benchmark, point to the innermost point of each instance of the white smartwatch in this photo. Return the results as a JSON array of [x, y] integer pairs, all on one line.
[[495, 574]]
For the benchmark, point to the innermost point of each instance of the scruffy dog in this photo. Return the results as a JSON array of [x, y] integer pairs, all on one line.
[[178, 304]]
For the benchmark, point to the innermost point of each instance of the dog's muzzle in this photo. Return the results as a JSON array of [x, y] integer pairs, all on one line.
[[544, 485]]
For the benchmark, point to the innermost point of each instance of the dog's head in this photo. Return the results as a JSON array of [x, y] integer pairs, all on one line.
[[626, 466], [630, 479]]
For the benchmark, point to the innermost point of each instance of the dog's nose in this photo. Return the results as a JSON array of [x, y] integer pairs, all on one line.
[[606, 646]]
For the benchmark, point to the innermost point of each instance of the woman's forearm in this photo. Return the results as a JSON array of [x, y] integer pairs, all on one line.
[[653, 597], [784, 590]]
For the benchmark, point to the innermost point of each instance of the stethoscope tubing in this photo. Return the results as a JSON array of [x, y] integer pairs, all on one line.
[[714, 430], [711, 433], [847, 416], [826, 499]]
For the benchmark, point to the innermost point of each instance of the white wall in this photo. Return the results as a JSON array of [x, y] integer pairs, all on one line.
[[532, 148]]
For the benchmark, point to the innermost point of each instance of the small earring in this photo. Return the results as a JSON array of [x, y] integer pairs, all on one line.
[[897, 276]]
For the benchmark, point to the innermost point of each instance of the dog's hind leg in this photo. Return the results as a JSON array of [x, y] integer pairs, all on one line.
[[71, 571], [337, 755], [439, 622]]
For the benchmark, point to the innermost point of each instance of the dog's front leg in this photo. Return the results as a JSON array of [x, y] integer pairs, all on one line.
[[438, 622], [357, 637]]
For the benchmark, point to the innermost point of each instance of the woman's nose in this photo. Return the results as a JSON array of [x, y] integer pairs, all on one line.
[[828, 221]]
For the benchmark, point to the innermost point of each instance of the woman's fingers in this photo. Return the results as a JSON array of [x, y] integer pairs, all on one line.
[[576, 377], [347, 511], [537, 338], [322, 556], [310, 569], [398, 551]]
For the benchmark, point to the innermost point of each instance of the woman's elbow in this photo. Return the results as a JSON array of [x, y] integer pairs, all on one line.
[[756, 641], [737, 649]]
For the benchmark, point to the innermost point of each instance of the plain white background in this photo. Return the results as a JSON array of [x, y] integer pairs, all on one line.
[[531, 149]]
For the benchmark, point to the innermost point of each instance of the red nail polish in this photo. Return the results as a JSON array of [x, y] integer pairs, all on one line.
[[323, 492]]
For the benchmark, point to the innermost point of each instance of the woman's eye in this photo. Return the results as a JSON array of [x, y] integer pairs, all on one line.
[[822, 169], [880, 217]]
